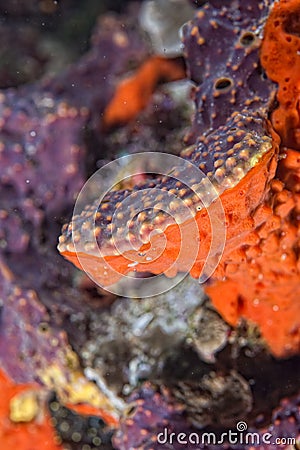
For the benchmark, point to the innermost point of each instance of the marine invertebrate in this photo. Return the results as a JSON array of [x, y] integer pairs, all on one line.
[[285, 425], [25, 318], [281, 60], [42, 124], [30, 291], [270, 271], [27, 416], [239, 156], [251, 140], [134, 93], [155, 420], [41, 352], [31, 133], [150, 409], [221, 48]]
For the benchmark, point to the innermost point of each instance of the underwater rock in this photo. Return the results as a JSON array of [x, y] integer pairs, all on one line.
[[216, 399], [208, 333], [285, 425], [133, 340], [27, 334]]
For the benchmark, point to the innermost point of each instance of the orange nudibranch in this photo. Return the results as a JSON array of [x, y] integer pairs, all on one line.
[[149, 240], [258, 274], [240, 204]]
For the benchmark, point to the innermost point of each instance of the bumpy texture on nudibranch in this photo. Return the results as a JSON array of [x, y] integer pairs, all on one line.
[[238, 155], [264, 285], [235, 146]]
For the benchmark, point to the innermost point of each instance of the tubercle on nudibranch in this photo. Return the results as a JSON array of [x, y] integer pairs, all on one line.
[[229, 159], [259, 269], [225, 155]]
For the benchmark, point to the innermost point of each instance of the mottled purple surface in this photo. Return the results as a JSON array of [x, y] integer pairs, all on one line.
[[42, 131], [43, 159], [285, 424], [28, 342], [151, 419], [117, 46], [152, 410], [222, 55]]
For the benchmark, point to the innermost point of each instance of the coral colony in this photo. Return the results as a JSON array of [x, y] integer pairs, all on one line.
[[212, 366]]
